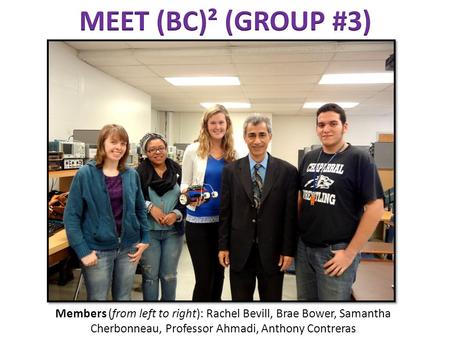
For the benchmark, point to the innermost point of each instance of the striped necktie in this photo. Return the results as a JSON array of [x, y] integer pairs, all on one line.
[[257, 185]]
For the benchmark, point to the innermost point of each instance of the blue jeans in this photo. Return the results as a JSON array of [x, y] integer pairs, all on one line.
[[113, 270], [159, 263], [312, 282]]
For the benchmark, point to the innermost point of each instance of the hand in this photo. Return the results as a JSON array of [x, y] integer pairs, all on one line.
[[224, 258], [285, 262], [198, 202], [90, 260], [157, 214], [135, 257], [337, 265], [169, 219]]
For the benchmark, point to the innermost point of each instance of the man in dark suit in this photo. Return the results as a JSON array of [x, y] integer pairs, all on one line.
[[257, 234]]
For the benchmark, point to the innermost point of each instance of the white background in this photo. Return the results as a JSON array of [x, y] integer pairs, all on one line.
[[421, 32]]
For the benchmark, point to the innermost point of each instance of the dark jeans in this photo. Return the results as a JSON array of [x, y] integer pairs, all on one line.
[[312, 282], [270, 286], [203, 243]]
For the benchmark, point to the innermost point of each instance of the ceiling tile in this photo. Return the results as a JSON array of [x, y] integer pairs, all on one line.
[[98, 45], [263, 79], [193, 70], [128, 71], [276, 76], [356, 67], [109, 58], [296, 68]]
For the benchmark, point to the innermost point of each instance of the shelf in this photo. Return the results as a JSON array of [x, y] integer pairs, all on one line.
[[62, 173], [378, 248]]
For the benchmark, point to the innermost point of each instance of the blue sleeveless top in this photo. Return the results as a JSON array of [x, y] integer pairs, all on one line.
[[209, 211]]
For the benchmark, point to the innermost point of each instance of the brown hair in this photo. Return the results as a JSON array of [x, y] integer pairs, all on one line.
[[227, 141], [115, 131]]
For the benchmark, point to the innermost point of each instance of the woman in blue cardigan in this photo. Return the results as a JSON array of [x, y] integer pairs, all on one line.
[[105, 218]]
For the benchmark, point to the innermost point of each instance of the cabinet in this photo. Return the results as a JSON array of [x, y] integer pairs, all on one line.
[[64, 176], [384, 155], [387, 178], [384, 159]]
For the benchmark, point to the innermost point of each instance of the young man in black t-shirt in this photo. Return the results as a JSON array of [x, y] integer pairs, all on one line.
[[340, 204]]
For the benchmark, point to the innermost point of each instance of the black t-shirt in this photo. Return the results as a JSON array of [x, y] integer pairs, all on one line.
[[341, 187]]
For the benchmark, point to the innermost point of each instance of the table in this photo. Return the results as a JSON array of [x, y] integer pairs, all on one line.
[[374, 281], [59, 254], [378, 248], [58, 247]]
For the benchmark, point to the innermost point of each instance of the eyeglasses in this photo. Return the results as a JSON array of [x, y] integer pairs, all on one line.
[[154, 150]]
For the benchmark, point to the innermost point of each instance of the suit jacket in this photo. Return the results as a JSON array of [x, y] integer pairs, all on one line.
[[272, 226]]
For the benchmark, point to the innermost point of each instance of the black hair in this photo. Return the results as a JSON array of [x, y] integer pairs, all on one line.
[[333, 107], [150, 137]]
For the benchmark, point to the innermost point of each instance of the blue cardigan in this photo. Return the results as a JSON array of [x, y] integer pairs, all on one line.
[[88, 216]]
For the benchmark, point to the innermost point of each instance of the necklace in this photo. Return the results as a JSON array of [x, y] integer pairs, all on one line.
[[216, 153], [312, 200]]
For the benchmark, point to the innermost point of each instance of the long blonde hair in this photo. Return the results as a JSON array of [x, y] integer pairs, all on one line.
[[204, 138]]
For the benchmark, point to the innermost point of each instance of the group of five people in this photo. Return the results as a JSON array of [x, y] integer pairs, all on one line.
[[266, 213]]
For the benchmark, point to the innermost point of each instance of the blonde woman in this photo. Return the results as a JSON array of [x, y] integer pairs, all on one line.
[[203, 163]]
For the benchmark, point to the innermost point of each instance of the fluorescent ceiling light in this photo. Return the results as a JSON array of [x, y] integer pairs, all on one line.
[[357, 78], [228, 105], [204, 81], [316, 105]]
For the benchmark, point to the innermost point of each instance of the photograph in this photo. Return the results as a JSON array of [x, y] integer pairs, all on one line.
[[221, 171]]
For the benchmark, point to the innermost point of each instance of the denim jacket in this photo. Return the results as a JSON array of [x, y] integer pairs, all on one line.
[[88, 216]]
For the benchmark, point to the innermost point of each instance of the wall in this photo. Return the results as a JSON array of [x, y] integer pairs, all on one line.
[[291, 133], [155, 122], [186, 127], [82, 97]]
